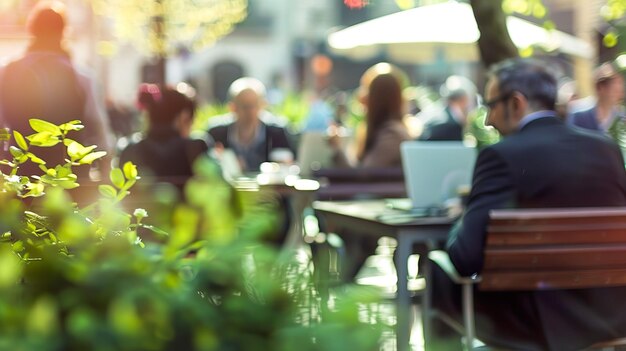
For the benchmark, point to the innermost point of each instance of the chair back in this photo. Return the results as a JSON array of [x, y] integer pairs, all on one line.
[[360, 183], [565, 248]]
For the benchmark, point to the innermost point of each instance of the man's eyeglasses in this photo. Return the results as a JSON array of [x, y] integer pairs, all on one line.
[[493, 102]]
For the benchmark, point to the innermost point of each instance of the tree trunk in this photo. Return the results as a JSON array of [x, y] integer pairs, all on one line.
[[494, 43]]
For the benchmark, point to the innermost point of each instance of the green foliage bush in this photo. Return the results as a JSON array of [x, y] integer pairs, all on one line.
[[75, 278]]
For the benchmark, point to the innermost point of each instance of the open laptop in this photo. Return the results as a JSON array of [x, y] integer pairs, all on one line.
[[434, 171]]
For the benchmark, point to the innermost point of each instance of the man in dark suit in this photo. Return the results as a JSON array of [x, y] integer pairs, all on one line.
[[540, 163], [460, 95], [251, 138]]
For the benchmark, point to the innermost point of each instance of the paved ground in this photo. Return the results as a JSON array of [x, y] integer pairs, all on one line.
[[378, 271]]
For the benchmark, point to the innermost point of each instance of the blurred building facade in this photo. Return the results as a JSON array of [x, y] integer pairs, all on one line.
[[275, 44]]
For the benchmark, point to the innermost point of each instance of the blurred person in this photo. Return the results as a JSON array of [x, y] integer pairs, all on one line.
[[251, 137], [122, 119], [321, 112], [540, 163], [381, 94], [340, 102], [44, 84], [165, 156], [320, 115], [609, 86], [566, 94], [166, 152], [449, 124]]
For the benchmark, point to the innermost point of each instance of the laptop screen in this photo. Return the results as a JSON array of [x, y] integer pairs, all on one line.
[[435, 170]]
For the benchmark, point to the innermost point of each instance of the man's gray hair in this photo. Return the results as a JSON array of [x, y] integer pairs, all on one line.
[[528, 76], [246, 83]]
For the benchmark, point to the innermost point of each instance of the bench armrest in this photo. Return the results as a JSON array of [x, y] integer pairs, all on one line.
[[442, 259]]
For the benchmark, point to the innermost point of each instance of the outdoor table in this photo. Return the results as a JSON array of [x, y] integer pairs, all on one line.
[[376, 218]]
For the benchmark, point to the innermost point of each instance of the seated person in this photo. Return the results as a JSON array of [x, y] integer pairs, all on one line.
[[252, 139], [449, 124], [381, 94], [166, 152], [540, 163]]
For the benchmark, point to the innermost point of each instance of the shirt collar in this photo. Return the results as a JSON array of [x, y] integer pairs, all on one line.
[[259, 137], [534, 116]]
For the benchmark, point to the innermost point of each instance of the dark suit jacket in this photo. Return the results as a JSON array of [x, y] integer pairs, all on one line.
[[275, 137], [546, 164], [585, 119], [443, 128]]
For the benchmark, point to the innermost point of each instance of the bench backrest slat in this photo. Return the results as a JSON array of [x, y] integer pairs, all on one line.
[[555, 249]]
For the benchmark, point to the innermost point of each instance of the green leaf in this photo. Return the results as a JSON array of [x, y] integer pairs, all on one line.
[[16, 152], [74, 150], [64, 171], [35, 159], [155, 229], [19, 140], [539, 11], [610, 39], [42, 319], [10, 268], [130, 170], [35, 190], [185, 226], [71, 125], [40, 125], [549, 25], [129, 184], [43, 139], [107, 191], [117, 178], [68, 184], [63, 178], [87, 160], [18, 246]]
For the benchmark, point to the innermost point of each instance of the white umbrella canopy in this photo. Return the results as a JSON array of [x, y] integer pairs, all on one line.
[[423, 33]]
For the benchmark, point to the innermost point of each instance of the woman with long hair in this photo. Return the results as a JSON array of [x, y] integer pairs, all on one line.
[[381, 95], [377, 147]]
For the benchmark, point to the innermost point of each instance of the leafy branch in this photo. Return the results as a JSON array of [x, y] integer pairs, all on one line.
[[51, 222]]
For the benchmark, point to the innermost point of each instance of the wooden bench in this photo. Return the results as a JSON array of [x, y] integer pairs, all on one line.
[[543, 249]]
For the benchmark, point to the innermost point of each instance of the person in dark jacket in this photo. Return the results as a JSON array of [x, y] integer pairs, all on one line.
[[609, 85], [541, 163], [460, 95], [253, 139], [166, 153]]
